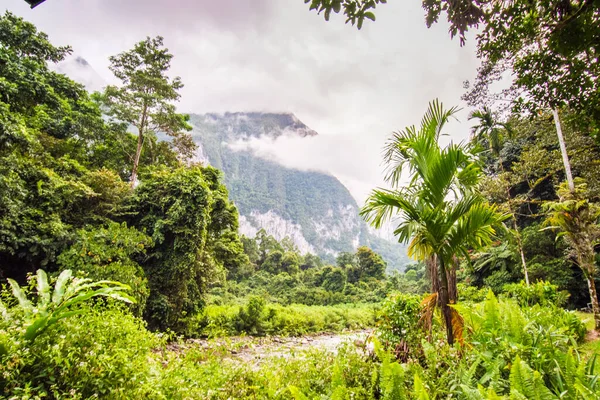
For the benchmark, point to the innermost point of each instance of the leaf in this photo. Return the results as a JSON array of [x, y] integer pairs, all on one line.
[[43, 288], [427, 310], [4, 311], [24, 303], [296, 393], [60, 286], [420, 392], [370, 15], [458, 325], [470, 393], [585, 392], [36, 328]]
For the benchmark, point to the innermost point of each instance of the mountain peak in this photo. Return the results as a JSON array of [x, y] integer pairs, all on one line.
[[254, 124], [78, 69]]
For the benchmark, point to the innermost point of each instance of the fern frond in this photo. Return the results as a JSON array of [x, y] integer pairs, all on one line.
[[420, 391]]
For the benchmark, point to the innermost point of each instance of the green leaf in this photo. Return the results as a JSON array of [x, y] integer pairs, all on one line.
[[420, 391], [60, 286], [296, 393], [24, 303], [43, 288]]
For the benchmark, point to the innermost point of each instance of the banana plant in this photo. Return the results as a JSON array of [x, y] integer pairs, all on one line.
[[64, 301]]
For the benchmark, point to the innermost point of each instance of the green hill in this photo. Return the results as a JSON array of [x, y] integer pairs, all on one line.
[[314, 209]]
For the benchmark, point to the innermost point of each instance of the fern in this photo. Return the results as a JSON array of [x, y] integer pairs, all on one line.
[[420, 391], [527, 383], [585, 392], [296, 393], [68, 293], [470, 393]]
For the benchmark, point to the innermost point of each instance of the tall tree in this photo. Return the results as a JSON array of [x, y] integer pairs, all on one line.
[[186, 213], [442, 215], [577, 220], [491, 129], [145, 100]]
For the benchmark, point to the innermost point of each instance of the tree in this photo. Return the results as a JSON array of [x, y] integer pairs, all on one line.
[[370, 264], [355, 10], [442, 215], [550, 45], [174, 208], [145, 99], [50, 130], [491, 129], [267, 244], [576, 217], [346, 260], [462, 14], [109, 253]]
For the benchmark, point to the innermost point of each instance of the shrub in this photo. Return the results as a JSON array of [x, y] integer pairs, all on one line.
[[542, 293], [399, 322], [251, 319], [471, 293], [502, 331], [108, 253], [100, 353], [257, 317]]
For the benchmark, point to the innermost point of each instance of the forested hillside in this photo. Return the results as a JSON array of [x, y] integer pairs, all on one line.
[[313, 208]]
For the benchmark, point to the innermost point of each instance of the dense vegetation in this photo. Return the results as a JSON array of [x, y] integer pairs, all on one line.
[[118, 254]]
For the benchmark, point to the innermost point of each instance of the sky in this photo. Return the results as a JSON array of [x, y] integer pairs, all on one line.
[[353, 87]]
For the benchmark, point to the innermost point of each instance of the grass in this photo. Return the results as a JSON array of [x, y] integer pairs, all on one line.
[[275, 319], [587, 318], [592, 343]]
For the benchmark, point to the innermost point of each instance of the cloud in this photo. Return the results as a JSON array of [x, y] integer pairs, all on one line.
[[353, 87]]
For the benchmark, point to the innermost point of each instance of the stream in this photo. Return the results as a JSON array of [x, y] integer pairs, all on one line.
[[254, 349]]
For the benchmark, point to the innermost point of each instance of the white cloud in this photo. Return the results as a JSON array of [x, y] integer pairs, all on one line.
[[353, 87]]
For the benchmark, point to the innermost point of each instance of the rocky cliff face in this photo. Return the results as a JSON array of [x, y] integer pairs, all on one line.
[[314, 209]]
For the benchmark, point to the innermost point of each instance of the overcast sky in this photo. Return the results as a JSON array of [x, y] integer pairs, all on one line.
[[353, 87]]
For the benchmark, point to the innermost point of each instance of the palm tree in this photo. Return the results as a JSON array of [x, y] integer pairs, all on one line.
[[577, 219], [491, 129], [441, 213]]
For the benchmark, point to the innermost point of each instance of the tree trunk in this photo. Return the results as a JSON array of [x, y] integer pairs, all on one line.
[[140, 144], [594, 297], [432, 274], [520, 244], [451, 274], [563, 150], [445, 301], [515, 227], [136, 160]]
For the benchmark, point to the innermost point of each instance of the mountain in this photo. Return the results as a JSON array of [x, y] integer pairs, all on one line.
[[313, 208], [78, 69]]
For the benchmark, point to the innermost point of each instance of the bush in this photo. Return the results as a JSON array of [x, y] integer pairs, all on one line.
[[101, 353], [542, 293], [471, 293], [258, 318], [313, 374], [108, 253], [399, 322], [251, 319]]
